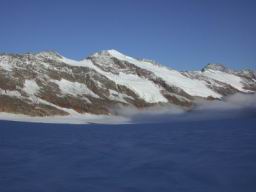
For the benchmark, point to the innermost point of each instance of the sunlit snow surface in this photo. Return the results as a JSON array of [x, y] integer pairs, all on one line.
[[74, 88], [230, 79], [74, 118], [172, 77], [150, 92], [31, 87], [143, 87]]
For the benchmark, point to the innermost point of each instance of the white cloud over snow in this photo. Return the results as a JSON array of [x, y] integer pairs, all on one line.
[[231, 107], [236, 106]]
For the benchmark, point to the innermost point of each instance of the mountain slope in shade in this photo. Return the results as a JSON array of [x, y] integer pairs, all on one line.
[[47, 84]]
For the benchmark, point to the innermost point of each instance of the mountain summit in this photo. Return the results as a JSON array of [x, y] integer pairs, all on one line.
[[47, 84]]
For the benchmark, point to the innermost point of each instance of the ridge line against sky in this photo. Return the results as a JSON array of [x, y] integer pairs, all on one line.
[[184, 35], [137, 58]]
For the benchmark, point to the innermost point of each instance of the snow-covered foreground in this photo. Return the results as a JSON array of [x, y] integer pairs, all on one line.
[[70, 119]]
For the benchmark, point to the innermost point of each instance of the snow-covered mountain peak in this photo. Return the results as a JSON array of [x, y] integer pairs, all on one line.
[[116, 53], [215, 67], [110, 53], [49, 55]]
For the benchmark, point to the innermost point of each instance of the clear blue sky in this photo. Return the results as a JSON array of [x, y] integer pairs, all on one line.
[[184, 34]]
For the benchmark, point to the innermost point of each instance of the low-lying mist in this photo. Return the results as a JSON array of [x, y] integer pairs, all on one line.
[[235, 106]]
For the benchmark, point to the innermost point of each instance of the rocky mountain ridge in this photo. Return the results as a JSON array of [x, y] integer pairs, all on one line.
[[48, 84]]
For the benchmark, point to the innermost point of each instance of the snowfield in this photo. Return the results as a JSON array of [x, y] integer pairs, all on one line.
[[230, 79], [172, 77], [70, 119], [74, 88], [31, 87], [144, 88]]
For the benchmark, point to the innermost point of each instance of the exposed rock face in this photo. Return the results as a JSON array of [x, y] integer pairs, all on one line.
[[47, 83], [217, 67]]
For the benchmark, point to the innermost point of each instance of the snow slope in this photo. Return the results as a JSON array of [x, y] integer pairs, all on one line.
[[144, 88], [31, 87], [224, 77], [70, 119], [172, 77], [5, 64], [74, 88]]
